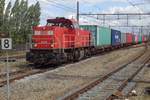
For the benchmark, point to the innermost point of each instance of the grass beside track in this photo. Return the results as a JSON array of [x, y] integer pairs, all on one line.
[[12, 53]]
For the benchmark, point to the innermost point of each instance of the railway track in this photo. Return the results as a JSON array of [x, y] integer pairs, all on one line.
[[12, 57], [3, 75], [17, 75], [107, 87]]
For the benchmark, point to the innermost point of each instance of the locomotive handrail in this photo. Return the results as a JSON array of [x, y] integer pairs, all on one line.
[[68, 41]]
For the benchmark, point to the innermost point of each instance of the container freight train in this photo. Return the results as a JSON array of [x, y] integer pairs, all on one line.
[[62, 40]]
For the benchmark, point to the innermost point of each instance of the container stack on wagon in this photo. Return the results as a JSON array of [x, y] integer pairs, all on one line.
[[140, 39], [101, 35], [129, 38], [144, 39], [115, 37], [93, 29], [104, 37], [135, 39], [123, 39]]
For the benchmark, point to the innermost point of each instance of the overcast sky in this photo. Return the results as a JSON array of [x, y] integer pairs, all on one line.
[[67, 8]]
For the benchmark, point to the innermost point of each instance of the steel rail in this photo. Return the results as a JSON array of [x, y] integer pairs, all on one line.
[[18, 75], [126, 81], [84, 89], [14, 72], [3, 82], [12, 57]]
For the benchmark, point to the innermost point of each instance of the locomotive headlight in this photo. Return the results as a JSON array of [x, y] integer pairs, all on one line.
[[52, 45], [50, 32], [35, 45]]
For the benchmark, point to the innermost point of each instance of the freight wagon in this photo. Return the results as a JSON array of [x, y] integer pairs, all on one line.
[[62, 40]]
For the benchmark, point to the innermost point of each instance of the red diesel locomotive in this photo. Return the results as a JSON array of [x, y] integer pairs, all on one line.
[[59, 41]]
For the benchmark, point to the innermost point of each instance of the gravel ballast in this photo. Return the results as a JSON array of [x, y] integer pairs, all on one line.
[[140, 87], [54, 84]]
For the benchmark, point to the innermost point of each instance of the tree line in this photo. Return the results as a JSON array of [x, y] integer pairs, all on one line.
[[16, 20]]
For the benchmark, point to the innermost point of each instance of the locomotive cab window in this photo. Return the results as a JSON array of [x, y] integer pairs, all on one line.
[[61, 25]]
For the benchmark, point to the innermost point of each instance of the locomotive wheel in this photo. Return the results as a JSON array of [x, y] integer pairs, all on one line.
[[87, 53], [70, 57], [58, 59], [76, 55], [82, 54]]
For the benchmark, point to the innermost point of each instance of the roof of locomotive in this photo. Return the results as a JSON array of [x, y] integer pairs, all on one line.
[[61, 20]]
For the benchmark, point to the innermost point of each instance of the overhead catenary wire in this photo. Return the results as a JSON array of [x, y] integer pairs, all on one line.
[[140, 11], [64, 7], [136, 8], [60, 6]]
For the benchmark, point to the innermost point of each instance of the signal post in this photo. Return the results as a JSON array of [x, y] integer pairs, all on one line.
[[6, 45]]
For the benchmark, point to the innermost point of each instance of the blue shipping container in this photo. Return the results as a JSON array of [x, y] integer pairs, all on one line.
[[115, 37]]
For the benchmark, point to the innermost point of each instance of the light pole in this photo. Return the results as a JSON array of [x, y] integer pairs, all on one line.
[[78, 11]]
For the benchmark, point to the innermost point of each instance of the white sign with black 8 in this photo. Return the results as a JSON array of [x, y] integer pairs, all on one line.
[[6, 43]]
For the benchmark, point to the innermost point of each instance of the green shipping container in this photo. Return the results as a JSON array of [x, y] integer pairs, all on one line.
[[93, 29], [104, 36], [140, 39], [101, 35]]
